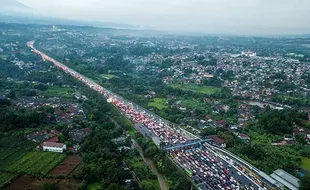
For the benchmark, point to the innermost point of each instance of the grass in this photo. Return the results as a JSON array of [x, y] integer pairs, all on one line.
[[36, 162], [55, 91], [195, 88], [94, 186], [192, 103], [305, 163], [159, 103], [6, 178]]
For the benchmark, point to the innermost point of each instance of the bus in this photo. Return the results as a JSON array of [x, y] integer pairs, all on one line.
[[188, 172]]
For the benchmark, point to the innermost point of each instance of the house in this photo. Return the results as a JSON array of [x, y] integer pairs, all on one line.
[[302, 131], [53, 139], [288, 138], [79, 134], [182, 108], [220, 123], [123, 148], [233, 127], [243, 136], [208, 118], [282, 143], [217, 141], [119, 140], [54, 147]]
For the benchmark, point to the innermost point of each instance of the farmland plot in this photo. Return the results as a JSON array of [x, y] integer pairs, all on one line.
[[6, 178], [36, 162]]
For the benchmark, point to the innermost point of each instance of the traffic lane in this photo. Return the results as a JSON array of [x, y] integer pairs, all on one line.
[[144, 131], [202, 186], [242, 178]]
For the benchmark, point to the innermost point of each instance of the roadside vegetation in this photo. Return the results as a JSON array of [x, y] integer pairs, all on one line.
[[305, 163]]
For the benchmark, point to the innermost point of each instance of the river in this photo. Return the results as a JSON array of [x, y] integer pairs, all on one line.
[[150, 163]]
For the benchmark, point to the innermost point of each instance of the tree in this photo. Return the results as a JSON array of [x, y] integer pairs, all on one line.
[[114, 186], [50, 186], [148, 185], [300, 139], [305, 183], [5, 102], [12, 94], [280, 121], [208, 131]]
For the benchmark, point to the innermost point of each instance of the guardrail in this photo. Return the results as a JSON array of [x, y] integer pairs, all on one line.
[[250, 166]]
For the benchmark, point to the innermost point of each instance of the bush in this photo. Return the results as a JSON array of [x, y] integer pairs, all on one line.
[[51, 186]]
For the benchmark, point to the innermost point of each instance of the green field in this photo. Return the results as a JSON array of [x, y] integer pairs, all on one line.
[[6, 178], [196, 88], [192, 103], [305, 163], [55, 91], [12, 149], [159, 103], [37, 162]]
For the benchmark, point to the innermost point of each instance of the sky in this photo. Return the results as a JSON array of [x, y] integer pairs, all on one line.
[[203, 16]]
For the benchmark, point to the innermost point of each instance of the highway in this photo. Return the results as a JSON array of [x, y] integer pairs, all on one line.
[[207, 166]]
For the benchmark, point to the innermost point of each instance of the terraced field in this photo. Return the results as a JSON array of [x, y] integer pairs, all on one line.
[[11, 150], [6, 178], [36, 162]]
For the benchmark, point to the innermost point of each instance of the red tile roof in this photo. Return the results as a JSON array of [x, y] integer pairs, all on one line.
[[216, 139], [53, 139], [89, 130], [244, 135], [53, 144], [221, 122]]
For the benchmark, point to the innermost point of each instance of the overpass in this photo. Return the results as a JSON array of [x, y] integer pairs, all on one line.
[[190, 144]]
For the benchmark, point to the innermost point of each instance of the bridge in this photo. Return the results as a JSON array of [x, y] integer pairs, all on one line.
[[191, 144]]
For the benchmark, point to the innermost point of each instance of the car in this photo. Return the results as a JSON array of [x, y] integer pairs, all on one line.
[[239, 173]]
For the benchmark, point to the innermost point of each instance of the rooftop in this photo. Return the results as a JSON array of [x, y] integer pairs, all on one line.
[[286, 179], [53, 144]]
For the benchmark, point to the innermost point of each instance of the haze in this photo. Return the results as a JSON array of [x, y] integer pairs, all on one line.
[[206, 16]]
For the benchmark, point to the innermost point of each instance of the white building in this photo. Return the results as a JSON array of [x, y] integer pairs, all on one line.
[[54, 147]]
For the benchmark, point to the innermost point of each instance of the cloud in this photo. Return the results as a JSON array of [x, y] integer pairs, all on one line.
[[210, 16]]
